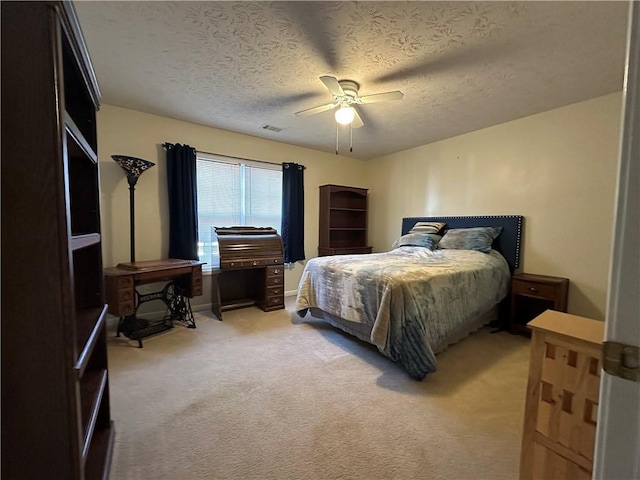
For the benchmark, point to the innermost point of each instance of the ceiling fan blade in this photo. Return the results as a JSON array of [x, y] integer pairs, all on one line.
[[381, 97], [357, 121], [314, 110], [332, 84]]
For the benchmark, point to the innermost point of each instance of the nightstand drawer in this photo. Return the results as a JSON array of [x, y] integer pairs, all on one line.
[[534, 289]]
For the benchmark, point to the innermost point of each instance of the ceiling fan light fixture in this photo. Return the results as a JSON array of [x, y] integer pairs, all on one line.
[[345, 115]]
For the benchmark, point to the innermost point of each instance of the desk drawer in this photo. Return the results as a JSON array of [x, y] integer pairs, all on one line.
[[196, 282], [275, 291], [274, 302], [124, 282], [275, 270], [273, 281], [251, 263], [123, 309], [125, 295], [235, 264]]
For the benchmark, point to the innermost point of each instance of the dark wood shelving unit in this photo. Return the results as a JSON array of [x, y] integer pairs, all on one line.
[[343, 220], [56, 420]]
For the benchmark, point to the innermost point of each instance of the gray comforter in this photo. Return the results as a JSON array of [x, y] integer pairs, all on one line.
[[412, 297]]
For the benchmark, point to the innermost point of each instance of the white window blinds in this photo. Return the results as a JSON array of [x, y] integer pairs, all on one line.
[[235, 192]]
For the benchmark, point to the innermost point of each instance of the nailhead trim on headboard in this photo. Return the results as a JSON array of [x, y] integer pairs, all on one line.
[[509, 243]]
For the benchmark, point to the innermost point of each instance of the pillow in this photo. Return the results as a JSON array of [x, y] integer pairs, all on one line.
[[427, 240], [476, 238], [427, 227]]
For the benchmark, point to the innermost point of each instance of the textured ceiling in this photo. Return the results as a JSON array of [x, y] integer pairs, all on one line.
[[462, 66]]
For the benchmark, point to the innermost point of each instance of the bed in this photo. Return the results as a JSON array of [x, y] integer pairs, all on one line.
[[425, 293]]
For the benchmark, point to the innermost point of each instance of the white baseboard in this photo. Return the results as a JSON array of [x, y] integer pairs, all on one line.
[[291, 293]]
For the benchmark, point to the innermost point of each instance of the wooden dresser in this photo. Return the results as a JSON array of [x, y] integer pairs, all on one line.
[[562, 397], [251, 270]]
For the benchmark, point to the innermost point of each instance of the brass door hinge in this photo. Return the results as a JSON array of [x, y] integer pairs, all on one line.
[[621, 360]]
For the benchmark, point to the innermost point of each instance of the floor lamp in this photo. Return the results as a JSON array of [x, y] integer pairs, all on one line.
[[133, 167]]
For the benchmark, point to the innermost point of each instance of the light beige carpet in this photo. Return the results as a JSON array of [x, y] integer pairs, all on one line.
[[258, 397]]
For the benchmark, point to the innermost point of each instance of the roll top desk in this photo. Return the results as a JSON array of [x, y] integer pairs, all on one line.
[[251, 270]]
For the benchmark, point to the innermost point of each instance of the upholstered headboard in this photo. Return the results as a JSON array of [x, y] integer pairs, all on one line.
[[508, 243]]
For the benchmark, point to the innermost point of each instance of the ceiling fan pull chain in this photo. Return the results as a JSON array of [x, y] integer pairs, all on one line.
[[351, 137], [337, 133]]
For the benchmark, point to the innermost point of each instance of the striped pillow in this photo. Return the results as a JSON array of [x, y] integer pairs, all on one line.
[[427, 227], [426, 240]]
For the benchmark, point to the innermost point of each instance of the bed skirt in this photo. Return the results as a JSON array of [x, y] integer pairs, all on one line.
[[363, 331]]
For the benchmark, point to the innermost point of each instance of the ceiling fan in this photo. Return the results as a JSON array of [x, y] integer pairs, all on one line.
[[345, 98]]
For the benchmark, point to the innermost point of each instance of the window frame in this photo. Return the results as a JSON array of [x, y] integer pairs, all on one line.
[[213, 260]]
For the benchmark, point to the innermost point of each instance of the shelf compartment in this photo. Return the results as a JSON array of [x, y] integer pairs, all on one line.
[[92, 388], [348, 200], [77, 101], [78, 137], [347, 238], [86, 240], [87, 337], [349, 209], [348, 219], [87, 277], [82, 182], [100, 452]]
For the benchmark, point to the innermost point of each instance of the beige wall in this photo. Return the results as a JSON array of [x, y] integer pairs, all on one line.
[[128, 132], [558, 169]]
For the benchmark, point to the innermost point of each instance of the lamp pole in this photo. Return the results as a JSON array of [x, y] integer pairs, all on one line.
[[132, 223]]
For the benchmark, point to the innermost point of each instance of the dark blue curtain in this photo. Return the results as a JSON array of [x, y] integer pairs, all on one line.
[[293, 212], [183, 204]]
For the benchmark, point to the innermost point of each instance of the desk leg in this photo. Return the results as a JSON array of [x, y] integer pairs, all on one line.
[[216, 306], [130, 325]]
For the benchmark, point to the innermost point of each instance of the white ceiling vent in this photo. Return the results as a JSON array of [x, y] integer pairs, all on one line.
[[271, 128]]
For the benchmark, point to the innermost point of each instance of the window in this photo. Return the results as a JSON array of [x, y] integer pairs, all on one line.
[[235, 192]]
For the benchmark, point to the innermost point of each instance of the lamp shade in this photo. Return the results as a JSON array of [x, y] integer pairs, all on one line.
[[132, 166], [345, 115]]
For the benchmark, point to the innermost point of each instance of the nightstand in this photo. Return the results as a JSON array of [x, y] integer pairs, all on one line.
[[533, 294]]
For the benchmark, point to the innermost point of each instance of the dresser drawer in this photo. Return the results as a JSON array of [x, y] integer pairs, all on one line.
[[534, 289]]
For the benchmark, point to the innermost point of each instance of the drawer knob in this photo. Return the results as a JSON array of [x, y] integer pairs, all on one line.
[[533, 289], [254, 262]]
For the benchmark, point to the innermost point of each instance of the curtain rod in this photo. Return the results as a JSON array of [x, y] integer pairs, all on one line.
[[234, 158]]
